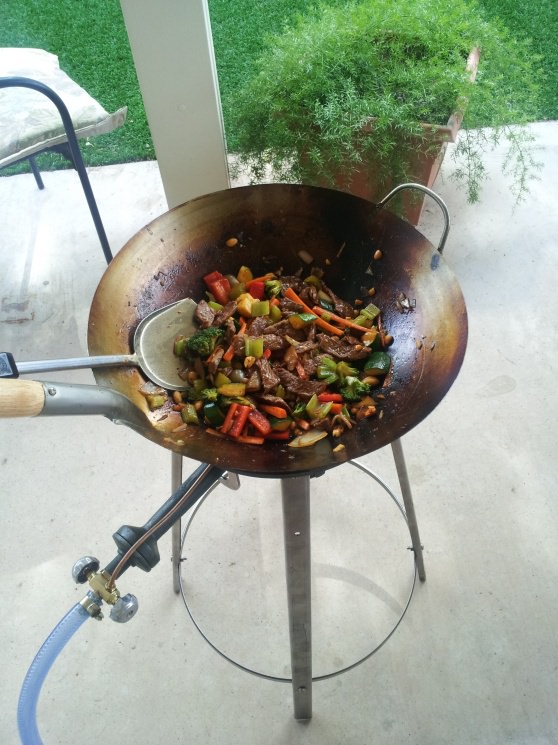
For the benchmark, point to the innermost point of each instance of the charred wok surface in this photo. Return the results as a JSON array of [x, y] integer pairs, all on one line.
[[167, 259]]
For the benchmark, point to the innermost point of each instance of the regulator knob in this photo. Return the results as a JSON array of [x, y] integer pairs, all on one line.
[[83, 568], [124, 609]]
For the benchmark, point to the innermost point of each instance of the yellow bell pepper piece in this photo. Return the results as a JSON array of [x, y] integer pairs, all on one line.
[[244, 274], [244, 304]]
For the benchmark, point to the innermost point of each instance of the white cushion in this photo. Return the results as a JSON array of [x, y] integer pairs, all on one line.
[[29, 121]]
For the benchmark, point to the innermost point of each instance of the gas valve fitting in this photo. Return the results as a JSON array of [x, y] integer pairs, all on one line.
[[122, 609]]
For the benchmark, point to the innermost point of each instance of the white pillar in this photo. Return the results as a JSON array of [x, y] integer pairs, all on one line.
[[173, 53]]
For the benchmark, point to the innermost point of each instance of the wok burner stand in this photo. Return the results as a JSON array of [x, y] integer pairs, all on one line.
[[295, 492]]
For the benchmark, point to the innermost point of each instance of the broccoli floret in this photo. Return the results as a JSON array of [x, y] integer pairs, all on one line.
[[273, 288], [354, 389], [190, 394], [203, 342], [210, 394], [344, 370]]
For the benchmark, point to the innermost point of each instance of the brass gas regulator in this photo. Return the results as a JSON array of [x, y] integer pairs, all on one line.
[[87, 569]]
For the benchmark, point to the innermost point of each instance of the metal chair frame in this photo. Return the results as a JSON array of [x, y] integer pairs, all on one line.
[[69, 150]]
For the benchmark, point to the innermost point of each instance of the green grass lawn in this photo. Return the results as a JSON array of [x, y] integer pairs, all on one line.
[[90, 40]]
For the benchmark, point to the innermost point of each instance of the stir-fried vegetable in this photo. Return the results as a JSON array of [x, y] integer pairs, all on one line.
[[202, 343], [279, 359]]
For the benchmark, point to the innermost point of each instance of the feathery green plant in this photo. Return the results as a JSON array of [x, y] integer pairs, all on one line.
[[347, 85]]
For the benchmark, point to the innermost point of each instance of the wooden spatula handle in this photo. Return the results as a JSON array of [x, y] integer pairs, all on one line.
[[20, 398]]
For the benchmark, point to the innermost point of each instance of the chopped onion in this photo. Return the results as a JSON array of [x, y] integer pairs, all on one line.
[[150, 389], [308, 438], [303, 255]]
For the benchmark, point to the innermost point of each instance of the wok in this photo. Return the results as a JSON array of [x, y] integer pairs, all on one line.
[[166, 260]]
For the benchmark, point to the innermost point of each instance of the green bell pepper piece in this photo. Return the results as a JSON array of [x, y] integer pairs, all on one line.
[[213, 414], [189, 414]]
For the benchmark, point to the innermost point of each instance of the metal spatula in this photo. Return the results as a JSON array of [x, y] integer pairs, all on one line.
[[153, 349]]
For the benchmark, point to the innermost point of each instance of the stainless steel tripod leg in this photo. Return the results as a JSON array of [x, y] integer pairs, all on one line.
[[401, 467], [176, 530], [296, 529]]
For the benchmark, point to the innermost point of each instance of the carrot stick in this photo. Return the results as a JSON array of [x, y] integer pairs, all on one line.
[[229, 354], [276, 411], [336, 408], [214, 432], [291, 295], [299, 367], [343, 321], [250, 440], [264, 278], [279, 435]]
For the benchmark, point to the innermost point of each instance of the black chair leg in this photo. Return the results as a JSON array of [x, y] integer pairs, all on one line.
[[88, 191], [36, 172]]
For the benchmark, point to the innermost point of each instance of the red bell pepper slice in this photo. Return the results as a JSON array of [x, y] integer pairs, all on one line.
[[240, 419], [229, 418], [212, 276], [220, 289], [256, 288], [259, 422]]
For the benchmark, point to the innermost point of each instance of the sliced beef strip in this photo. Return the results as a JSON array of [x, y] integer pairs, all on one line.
[[305, 346], [275, 342], [310, 364], [295, 282], [346, 348], [281, 328], [224, 314], [289, 306], [268, 398], [254, 382], [304, 389], [342, 307], [269, 377], [284, 328], [310, 295], [230, 330], [214, 360], [204, 315], [238, 345], [257, 326]]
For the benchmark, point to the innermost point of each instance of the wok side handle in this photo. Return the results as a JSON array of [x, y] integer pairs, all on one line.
[[21, 398], [439, 201]]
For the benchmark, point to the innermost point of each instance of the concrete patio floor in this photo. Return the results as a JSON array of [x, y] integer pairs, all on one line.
[[474, 660]]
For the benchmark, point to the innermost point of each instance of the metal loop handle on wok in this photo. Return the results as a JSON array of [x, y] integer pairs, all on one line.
[[439, 201]]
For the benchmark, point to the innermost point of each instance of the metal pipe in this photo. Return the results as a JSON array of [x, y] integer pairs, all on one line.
[[401, 467], [296, 529], [176, 530]]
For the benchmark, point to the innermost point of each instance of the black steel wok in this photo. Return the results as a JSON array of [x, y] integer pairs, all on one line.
[[165, 261]]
